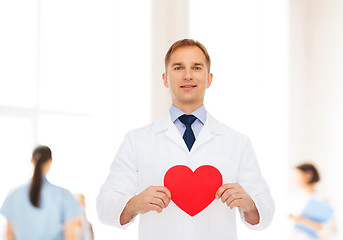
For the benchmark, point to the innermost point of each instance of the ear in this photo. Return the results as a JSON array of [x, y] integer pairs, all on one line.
[[165, 80], [209, 80]]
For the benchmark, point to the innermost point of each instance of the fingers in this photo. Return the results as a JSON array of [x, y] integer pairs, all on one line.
[[237, 202], [162, 194], [153, 198], [156, 208], [160, 199], [233, 195], [164, 190], [225, 187], [220, 191], [230, 197]]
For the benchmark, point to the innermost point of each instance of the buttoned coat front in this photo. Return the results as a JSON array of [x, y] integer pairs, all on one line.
[[146, 155]]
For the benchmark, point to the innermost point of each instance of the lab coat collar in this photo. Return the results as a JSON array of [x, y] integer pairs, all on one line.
[[211, 128]]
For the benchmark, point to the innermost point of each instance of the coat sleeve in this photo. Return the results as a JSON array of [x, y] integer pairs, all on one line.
[[120, 186], [252, 181]]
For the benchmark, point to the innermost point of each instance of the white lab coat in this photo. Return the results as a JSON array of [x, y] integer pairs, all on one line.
[[145, 156]]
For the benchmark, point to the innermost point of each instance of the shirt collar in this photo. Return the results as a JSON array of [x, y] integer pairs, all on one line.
[[44, 178], [200, 113]]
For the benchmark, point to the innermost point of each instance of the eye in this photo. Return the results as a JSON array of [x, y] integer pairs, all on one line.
[[178, 68], [197, 68]]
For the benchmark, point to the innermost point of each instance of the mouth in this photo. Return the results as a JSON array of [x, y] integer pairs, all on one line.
[[188, 86]]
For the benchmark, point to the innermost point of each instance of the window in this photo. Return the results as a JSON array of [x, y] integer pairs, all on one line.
[[75, 75]]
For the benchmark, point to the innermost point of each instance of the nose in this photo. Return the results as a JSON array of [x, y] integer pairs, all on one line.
[[187, 74]]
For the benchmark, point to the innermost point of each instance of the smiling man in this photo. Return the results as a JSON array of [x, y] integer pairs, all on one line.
[[187, 76], [186, 139]]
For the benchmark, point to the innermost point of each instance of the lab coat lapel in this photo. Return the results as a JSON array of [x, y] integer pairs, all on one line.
[[165, 125], [205, 135], [210, 130], [173, 134]]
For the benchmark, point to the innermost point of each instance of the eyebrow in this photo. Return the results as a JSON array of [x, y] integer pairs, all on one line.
[[176, 64]]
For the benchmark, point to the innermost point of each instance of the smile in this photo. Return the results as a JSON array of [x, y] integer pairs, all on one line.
[[188, 86]]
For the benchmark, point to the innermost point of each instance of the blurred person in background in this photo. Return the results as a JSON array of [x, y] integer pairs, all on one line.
[[84, 229], [310, 212], [40, 210]]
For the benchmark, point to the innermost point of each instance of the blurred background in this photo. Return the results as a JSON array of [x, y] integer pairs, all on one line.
[[75, 73]]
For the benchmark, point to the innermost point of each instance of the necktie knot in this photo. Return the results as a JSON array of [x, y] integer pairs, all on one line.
[[187, 119]]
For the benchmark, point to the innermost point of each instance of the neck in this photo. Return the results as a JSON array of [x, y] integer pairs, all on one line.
[[309, 188], [188, 108]]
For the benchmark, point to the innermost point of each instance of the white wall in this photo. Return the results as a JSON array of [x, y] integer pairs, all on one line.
[[170, 22], [316, 84]]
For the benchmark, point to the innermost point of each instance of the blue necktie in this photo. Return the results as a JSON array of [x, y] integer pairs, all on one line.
[[188, 136]]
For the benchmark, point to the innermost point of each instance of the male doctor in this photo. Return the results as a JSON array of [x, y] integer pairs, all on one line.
[[189, 136]]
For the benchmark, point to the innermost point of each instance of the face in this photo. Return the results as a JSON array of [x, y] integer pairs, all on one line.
[[187, 76], [302, 178]]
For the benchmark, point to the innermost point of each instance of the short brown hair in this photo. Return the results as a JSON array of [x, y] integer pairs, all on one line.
[[186, 43], [310, 168]]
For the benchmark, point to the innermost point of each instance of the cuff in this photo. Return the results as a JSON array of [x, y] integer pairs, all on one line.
[[110, 208]]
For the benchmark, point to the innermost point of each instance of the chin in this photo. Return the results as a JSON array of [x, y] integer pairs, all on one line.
[[190, 101]]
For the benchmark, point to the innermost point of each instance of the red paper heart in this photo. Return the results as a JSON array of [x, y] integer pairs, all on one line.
[[193, 191]]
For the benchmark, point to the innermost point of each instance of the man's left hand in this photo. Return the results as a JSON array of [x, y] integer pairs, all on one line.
[[234, 196]]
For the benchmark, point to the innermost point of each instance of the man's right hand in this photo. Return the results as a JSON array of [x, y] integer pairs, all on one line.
[[154, 198]]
